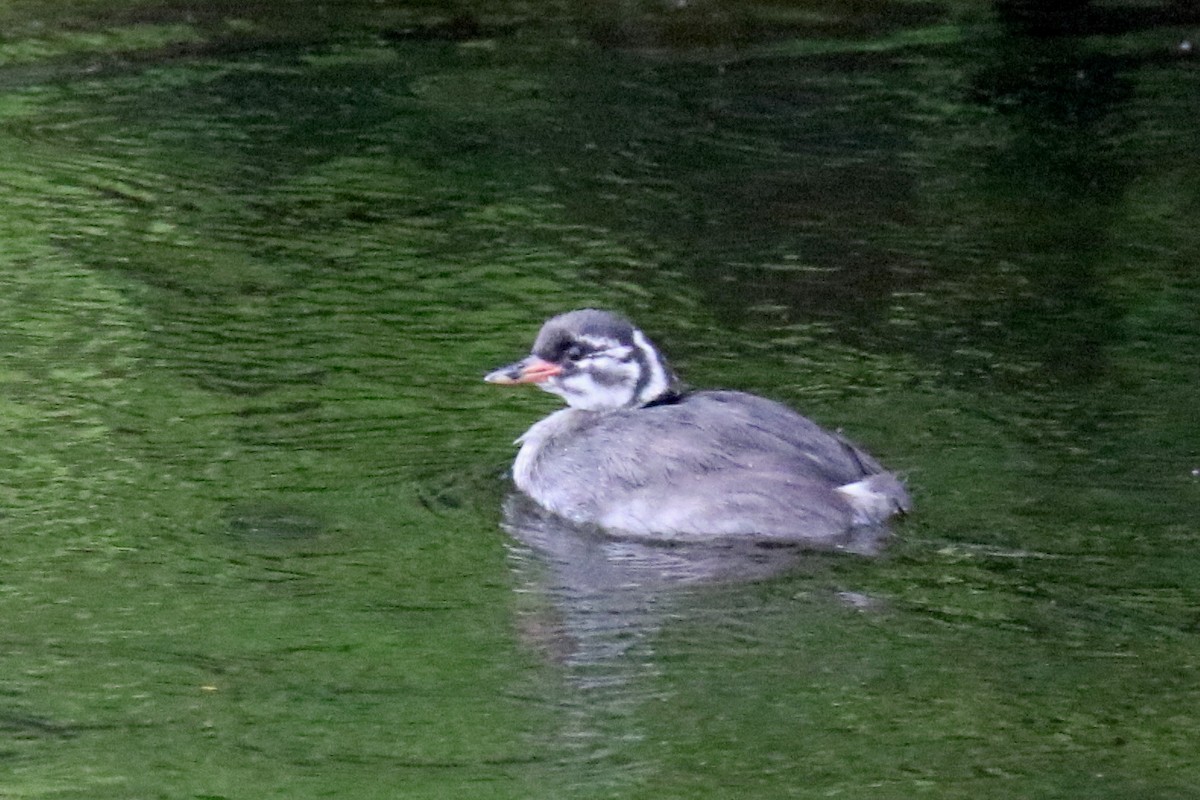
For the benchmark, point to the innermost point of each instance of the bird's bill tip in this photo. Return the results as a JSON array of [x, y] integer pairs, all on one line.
[[529, 370]]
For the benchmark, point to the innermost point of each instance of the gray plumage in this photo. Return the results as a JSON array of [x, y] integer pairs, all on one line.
[[636, 456]]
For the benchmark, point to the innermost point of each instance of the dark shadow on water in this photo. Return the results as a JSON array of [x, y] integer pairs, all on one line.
[[1088, 18]]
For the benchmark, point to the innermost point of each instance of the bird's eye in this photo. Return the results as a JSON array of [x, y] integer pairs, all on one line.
[[574, 352]]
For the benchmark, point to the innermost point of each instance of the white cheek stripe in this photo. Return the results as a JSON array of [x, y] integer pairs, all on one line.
[[581, 391], [627, 380], [658, 381], [600, 343]]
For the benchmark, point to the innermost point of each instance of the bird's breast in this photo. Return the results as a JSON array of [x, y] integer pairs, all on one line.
[[527, 468]]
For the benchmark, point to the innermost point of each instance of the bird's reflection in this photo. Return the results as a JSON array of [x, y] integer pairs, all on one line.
[[606, 594], [593, 606]]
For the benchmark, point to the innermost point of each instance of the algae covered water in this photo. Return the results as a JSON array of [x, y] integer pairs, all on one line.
[[254, 517]]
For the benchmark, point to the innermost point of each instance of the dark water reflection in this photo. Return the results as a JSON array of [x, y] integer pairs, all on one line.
[[255, 531]]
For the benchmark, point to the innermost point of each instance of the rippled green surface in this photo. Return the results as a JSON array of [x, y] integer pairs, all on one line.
[[253, 264]]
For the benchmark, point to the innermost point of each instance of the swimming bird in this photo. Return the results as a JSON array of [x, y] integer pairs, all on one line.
[[636, 454]]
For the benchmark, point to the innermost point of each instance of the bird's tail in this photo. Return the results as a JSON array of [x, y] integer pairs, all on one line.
[[876, 497]]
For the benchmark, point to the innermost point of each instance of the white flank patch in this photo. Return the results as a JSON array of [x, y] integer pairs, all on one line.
[[869, 505]]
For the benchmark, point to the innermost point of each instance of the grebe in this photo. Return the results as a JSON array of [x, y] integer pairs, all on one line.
[[635, 454]]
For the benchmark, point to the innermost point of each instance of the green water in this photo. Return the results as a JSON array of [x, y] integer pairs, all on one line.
[[254, 261]]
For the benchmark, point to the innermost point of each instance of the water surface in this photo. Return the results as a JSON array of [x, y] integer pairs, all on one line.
[[254, 508]]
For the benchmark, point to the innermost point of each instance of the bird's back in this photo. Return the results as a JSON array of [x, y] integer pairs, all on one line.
[[705, 464]]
